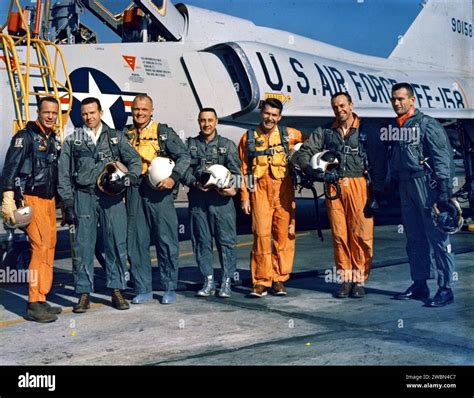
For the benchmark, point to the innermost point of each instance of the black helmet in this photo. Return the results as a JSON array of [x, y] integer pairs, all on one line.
[[112, 180], [450, 219]]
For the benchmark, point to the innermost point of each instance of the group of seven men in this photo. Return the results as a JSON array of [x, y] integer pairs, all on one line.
[[38, 171]]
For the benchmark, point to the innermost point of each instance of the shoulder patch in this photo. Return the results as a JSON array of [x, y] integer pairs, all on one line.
[[19, 143]]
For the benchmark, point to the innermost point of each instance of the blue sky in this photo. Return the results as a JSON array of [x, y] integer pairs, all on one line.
[[367, 26]]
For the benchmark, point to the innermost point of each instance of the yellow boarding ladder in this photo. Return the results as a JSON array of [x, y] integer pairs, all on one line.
[[35, 62]]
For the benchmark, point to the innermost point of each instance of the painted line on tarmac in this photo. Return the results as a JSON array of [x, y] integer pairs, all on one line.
[[241, 244], [188, 254], [66, 310]]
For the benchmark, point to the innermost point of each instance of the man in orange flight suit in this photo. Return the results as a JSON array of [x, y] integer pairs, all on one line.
[[30, 172], [267, 193], [351, 224]]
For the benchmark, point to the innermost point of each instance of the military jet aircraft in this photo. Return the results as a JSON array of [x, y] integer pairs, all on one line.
[[187, 58]]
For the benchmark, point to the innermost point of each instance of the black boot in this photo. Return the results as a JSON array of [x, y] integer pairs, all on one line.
[[418, 291], [37, 313], [443, 296], [51, 309], [344, 291], [357, 291]]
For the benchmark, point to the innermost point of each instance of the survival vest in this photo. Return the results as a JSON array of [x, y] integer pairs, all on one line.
[[264, 152], [150, 142]]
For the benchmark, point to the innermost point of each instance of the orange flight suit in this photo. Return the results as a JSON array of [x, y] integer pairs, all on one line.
[[352, 232], [42, 234], [273, 206]]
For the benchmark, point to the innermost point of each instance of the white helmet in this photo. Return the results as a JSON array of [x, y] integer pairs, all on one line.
[[295, 149], [159, 169], [217, 175], [322, 160], [23, 217], [297, 146]]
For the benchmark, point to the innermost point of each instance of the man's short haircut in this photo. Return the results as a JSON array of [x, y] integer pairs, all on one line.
[[142, 97], [406, 86], [47, 99], [207, 110], [273, 103], [339, 93], [91, 100]]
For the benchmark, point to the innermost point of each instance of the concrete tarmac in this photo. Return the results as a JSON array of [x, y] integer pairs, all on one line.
[[307, 327]]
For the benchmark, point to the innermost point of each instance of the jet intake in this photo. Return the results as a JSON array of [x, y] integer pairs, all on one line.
[[222, 78]]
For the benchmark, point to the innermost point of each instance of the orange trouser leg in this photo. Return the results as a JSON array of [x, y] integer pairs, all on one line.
[[283, 244], [361, 229], [273, 207], [42, 235], [352, 231], [262, 215]]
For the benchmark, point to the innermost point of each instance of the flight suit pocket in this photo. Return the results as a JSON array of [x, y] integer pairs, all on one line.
[[410, 157], [279, 159], [85, 171]]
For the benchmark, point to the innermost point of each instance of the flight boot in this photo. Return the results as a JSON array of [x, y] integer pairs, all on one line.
[[225, 291], [51, 309], [418, 291], [142, 298], [279, 289], [443, 296], [209, 287], [357, 291], [83, 304], [344, 291], [118, 300], [258, 291], [169, 297], [36, 312]]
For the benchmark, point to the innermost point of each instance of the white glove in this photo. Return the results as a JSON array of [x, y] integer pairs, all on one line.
[[8, 207]]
